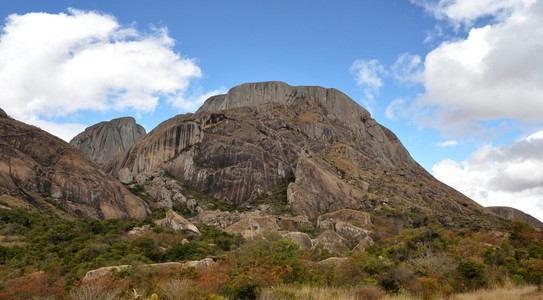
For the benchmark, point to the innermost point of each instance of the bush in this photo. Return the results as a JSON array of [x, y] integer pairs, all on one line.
[[244, 290], [472, 275]]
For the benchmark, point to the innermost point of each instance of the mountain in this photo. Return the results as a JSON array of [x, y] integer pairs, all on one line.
[[39, 171], [325, 148], [103, 140], [514, 214]]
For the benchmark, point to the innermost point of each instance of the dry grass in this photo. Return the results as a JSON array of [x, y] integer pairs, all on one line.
[[505, 293], [321, 293], [373, 293]]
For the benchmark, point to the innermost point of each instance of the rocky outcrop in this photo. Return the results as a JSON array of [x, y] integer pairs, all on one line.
[[173, 221], [300, 238], [253, 227], [514, 214], [3, 114], [50, 175], [332, 261], [329, 220], [363, 244], [351, 232], [204, 264], [332, 241], [246, 143], [318, 188], [102, 141]]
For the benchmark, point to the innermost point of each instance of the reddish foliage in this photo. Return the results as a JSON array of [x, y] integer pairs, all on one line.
[[31, 285]]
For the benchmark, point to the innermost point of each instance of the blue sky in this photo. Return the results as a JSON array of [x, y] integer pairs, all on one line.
[[460, 81]]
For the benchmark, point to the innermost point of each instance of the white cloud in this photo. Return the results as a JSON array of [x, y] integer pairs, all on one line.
[[195, 100], [65, 131], [467, 11], [407, 69], [500, 176], [495, 73], [368, 74], [53, 65], [396, 107], [448, 143]]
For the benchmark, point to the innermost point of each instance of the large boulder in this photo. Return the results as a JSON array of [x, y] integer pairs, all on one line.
[[204, 264], [332, 241], [217, 218], [175, 222], [351, 232], [363, 244], [329, 220], [253, 227], [300, 238]]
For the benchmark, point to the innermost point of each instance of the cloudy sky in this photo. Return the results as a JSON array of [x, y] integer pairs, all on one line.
[[459, 81]]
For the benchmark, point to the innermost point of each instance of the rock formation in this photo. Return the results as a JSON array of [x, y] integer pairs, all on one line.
[[103, 140], [244, 144], [175, 222], [514, 214], [50, 175]]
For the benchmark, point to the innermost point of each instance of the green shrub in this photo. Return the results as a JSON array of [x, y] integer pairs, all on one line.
[[471, 275]]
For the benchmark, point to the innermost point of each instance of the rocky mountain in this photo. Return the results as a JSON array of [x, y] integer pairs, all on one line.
[[39, 171], [514, 214], [321, 145], [105, 139]]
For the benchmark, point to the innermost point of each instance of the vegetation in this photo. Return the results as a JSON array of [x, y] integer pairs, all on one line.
[[47, 257]]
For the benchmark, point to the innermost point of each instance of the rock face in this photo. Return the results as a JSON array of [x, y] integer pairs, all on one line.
[[52, 176], [514, 214], [247, 142], [103, 140]]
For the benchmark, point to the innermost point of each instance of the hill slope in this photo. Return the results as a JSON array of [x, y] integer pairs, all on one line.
[[40, 171]]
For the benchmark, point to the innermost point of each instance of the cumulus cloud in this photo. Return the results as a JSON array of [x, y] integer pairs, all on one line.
[[494, 73], [509, 175], [407, 69], [369, 74], [53, 65]]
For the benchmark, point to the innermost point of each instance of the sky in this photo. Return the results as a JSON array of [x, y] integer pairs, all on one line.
[[459, 81]]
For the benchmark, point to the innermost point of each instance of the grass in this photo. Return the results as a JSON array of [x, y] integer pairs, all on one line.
[[508, 292]]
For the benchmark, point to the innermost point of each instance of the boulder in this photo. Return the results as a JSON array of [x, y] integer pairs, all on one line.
[[332, 241], [294, 223], [332, 261], [253, 227], [363, 244], [356, 217], [351, 232], [217, 218], [173, 221], [300, 238], [137, 231], [204, 264]]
